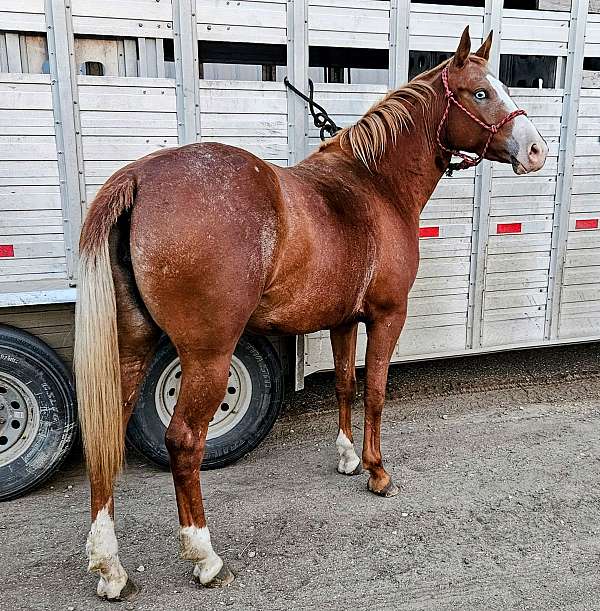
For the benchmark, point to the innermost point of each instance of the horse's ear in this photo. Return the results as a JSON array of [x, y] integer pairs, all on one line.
[[463, 50], [484, 50]]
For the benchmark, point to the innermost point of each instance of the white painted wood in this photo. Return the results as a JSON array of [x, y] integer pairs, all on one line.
[[129, 18], [262, 112], [520, 279], [399, 43], [520, 330], [159, 58], [554, 5], [155, 10], [437, 27], [441, 340], [592, 36], [505, 300], [13, 52], [571, 103], [123, 119], [8, 300], [61, 48], [347, 23], [130, 51], [296, 118], [30, 204], [242, 20], [535, 32], [142, 58], [24, 15], [186, 70]]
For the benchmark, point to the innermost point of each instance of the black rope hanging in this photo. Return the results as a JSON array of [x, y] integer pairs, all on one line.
[[320, 117]]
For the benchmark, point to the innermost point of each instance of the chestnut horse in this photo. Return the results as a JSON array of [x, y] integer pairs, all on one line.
[[205, 241]]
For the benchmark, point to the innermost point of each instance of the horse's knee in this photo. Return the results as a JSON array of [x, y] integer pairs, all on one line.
[[345, 390]]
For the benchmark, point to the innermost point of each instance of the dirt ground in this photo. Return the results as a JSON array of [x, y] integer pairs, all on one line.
[[499, 465]]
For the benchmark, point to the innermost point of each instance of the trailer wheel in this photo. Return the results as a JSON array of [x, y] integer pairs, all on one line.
[[247, 413], [37, 412]]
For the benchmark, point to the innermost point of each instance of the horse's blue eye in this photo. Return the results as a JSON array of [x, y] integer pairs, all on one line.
[[481, 95]]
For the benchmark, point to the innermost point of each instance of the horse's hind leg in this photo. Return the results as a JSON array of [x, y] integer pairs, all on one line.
[[203, 385], [138, 336], [343, 343]]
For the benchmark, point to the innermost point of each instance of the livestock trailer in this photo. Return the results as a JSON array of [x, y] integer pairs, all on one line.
[[85, 87]]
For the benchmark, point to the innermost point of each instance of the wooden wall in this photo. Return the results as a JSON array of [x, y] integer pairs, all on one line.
[[31, 222], [53, 324]]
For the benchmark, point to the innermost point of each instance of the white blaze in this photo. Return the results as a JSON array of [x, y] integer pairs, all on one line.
[[523, 130], [103, 555], [196, 546], [348, 458]]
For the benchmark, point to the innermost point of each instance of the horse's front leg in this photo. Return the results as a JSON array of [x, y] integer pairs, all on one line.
[[382, 336], [343, 344]]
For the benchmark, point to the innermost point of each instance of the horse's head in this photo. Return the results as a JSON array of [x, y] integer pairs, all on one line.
[[482, 118]]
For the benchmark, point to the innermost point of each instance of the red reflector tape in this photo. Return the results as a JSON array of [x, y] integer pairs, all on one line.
[[429, 232], [509, 228], [7, 250], [586, 224]]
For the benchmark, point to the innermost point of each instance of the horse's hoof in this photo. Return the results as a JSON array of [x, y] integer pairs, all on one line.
[[357, 470], [129, 592], [388, 491], [223, 578]]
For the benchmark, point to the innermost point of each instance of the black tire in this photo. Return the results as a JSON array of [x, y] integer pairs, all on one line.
[[31, 370], [146, 430]]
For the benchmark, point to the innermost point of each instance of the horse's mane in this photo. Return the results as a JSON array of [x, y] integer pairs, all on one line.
[[388, 117]]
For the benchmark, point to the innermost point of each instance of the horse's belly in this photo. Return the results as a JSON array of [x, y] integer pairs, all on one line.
[[315, 302]]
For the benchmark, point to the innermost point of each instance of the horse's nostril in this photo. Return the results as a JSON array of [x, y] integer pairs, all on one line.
[[535, 150]]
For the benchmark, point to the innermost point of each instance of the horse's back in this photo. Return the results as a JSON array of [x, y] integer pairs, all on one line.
[[215, 229]]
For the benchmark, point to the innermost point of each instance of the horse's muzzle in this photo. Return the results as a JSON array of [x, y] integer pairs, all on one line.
[[531, 159]]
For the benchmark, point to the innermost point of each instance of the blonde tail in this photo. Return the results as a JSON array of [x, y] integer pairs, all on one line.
[[96, 358], [97, 368]]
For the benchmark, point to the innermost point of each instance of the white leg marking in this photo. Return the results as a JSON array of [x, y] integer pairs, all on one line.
[[103, 555], [348, 458], [196, 546]]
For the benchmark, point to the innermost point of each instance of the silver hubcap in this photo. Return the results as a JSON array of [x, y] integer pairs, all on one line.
[[19, 418], [230, 412]]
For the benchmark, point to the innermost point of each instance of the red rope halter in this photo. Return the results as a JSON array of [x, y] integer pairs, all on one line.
[[467, 161]]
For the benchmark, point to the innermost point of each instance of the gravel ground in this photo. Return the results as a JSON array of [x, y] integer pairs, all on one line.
[[498, 462]]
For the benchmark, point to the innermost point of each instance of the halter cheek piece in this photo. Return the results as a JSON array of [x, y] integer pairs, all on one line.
[[467, 161]]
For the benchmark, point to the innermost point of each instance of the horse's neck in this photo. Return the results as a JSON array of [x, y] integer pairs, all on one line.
[[414, 164]]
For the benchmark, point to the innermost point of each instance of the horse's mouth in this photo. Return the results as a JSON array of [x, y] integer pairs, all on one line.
[[517, 166]]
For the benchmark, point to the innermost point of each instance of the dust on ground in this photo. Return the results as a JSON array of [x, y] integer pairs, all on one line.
[[498, 461]]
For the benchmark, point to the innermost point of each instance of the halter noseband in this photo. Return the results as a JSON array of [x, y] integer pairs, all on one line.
[[467, 161]]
